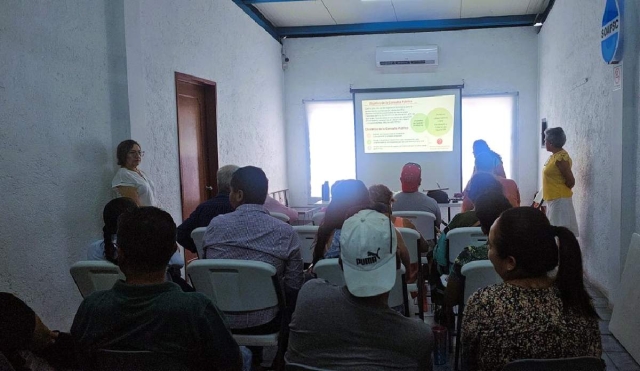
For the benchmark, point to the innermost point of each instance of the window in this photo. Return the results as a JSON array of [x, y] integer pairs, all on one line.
[[331, 143], [490, 118]]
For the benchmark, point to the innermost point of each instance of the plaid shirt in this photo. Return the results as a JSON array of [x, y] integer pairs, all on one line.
[[250, 233]]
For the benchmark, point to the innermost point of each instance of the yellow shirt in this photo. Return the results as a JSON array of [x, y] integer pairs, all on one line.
[[553, 186]]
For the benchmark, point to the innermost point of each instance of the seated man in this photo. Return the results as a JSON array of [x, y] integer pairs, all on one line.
[[487, 163], [250, 233], [411, 199], [352, 327], [202, 215], [145, 312]]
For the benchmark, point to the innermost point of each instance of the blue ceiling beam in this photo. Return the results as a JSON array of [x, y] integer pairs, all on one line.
[[407, 26], [270, 1], [259, 19]]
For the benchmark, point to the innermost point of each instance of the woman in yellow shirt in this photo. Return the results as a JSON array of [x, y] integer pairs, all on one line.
[[557, 182]]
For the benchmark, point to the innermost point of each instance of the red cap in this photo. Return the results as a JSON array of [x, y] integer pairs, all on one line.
[[410, 177]]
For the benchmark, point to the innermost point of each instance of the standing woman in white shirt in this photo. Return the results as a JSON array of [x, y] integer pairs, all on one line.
[[130, 181]]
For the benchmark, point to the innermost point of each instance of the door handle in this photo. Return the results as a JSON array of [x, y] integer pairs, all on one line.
[[209, 188]]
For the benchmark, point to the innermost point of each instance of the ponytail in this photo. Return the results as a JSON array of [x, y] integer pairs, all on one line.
[[569, 278], [109, 248]]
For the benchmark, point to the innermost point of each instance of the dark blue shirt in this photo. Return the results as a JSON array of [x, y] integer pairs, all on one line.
[[201, 217]]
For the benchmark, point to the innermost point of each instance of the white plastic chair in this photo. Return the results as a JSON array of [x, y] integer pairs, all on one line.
[[197, 235], [239, 286], [478, 274], [460, 238], [281, 216], [329, 269], [317, 218], [424, 221], [95, 275], [307, 234]]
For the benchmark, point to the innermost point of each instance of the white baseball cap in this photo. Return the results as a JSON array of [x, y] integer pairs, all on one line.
[[368, 245]]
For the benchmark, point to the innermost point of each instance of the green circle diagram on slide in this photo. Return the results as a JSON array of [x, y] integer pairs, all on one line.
[[419, 122], [440, 122]]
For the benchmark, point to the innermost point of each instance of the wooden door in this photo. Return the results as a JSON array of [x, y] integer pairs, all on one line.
[[197, 142]]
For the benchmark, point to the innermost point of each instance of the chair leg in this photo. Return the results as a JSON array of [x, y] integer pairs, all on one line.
[[458, 333], [405, 295], [420, 281]]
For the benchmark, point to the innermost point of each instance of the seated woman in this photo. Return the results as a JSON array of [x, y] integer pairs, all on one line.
[[479, 184], [105, 249], [348, 197], [488, 208], [533, 314]]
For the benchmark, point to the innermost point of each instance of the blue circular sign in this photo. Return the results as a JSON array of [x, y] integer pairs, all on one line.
[[611, 33]]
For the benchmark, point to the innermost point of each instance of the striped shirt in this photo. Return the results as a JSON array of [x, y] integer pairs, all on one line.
[[250, 233]]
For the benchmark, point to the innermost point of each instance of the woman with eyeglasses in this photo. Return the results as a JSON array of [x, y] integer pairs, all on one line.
[[130, 181]]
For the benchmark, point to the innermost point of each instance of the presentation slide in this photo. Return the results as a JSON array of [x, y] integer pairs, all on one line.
[[394, 126], [418, 124]]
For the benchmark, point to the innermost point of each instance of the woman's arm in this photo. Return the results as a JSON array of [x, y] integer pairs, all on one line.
[[565, 170], [130, 192], [499, 170]]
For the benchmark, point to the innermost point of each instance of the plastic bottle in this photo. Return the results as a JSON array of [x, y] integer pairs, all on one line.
[[325, 191]]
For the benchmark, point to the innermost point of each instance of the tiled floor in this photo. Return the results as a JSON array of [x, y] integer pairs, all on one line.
[[613, 353]]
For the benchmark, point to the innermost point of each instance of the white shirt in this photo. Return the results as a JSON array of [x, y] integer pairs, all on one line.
[[143, 185]]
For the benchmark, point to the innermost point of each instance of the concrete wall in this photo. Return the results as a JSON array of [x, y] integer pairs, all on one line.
[[63, 108], [489, 61], [576, 92], [217, 41]]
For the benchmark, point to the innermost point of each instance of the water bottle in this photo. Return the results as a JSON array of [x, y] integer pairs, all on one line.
[[325, 191], [440, 345]]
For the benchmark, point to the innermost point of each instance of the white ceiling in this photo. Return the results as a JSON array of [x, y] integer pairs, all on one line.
[[332, 12]]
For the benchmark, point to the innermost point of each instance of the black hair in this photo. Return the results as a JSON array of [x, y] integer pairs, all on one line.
[[348, 197], [123, 149], [488, 208], [112, 210], [146, 240], [253, 183], [526, 234], [483, 183]]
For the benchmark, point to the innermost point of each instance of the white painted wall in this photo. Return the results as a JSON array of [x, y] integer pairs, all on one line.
[[576, 93], [217, 41], [63, 108], [489, 61]]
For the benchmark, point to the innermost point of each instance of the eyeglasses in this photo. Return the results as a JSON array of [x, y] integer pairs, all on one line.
[[139, 153]]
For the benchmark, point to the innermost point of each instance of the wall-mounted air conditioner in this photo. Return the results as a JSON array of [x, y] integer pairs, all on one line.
[[396, 56]]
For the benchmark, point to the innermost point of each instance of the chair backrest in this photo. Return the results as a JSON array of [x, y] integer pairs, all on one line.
[[557, 364], [236, 285], [396, 296], [197, 235], [317, 218], [460, 238], [478, 274], [95, 275], [307, 234], [135, 361], [329, 269], [281, 216], [411, 237], [425, 222]]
